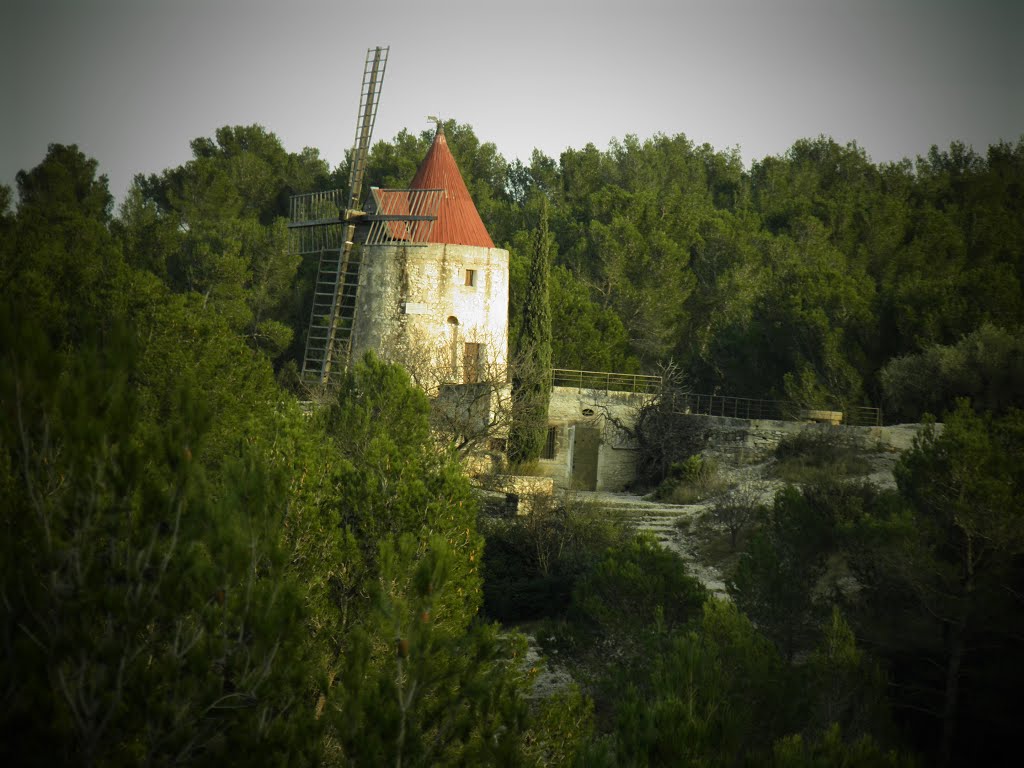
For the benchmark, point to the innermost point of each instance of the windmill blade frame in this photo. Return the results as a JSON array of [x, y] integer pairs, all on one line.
[[325, 223], [369, 98]]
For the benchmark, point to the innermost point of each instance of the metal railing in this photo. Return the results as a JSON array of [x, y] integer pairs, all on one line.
[[716, 405], [316, 207], [403, 216], [863, 416], [736, 407], [606, 381], [778, 410]]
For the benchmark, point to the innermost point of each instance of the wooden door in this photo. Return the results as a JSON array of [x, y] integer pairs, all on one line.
[[584, 457]]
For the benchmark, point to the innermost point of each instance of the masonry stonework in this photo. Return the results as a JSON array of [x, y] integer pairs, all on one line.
[[756, 439], [441, 310], [592, 451]]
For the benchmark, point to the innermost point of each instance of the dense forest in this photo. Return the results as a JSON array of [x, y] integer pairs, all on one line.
[[805, 277], [197, 570]]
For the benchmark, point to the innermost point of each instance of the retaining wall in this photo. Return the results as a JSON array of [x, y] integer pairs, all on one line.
[[756, 439]]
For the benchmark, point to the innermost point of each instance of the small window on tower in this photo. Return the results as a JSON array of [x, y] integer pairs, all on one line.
[[470, 277]]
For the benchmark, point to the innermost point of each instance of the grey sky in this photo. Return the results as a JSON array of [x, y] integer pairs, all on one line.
[[133, 81]]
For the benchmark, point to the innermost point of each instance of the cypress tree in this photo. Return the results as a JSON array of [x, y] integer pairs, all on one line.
[[531, 372]]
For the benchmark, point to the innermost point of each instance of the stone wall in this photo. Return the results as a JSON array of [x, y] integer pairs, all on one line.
[[418, 307], [756, 439], [734, 441], [522, 492], [604, 411]]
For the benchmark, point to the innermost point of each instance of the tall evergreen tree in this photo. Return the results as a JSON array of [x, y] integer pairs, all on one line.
[[531, 375], [149, 616]]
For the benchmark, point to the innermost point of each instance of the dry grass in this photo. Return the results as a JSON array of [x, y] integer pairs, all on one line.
[[711, 543], [816, 455], [691, 481]]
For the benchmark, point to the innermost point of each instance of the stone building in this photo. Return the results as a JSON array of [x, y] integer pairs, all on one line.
[[440, 310], [586, 447]]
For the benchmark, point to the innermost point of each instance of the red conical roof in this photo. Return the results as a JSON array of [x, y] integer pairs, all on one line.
[[458, 221]]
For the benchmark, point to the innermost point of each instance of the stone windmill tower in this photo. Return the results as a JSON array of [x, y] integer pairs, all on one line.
[[439, 308], [411, 274]]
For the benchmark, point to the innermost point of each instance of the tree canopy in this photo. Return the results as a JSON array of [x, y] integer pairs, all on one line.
[[802, 276], [197, 567]]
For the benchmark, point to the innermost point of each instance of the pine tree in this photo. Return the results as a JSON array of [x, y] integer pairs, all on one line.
[[149, 616], [531, 375]]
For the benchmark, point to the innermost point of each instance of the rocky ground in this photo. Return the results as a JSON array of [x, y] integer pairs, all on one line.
[[686, 530], [705, 547]]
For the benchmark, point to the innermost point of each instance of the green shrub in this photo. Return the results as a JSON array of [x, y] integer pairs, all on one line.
[[532, 563], [818, 454], [689, 481], [636, 587], [986, 365], [736, 511]]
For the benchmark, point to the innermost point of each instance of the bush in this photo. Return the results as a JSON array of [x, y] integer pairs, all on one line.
[[664, 434], [986, 365], [532, 563], [690, 481], [637, 587], [715, 694], [149, 613], [819, 454], [773, 582], [736, 510]]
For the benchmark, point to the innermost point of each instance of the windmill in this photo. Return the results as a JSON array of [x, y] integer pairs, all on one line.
[[326, 224]]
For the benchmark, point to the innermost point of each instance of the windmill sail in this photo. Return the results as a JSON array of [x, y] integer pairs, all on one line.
[[369, 98], [403, 216], [324, 224]]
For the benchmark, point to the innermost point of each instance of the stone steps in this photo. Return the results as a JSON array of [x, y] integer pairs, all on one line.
[[660, 519]]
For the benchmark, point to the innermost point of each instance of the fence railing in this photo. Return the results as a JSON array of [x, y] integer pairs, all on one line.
[[736, 407], [863, 416], [779, 410], [717, 405], [609, 382]]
